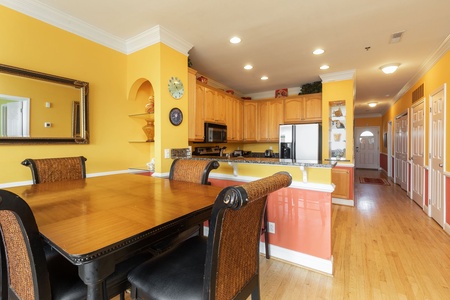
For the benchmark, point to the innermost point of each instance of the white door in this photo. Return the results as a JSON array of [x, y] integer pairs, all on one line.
[[367, 148], [14, 119], [401, 151], [389, 148], [417, 153], [437, 156]]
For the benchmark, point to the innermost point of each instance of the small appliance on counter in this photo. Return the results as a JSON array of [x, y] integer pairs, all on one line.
[[237, 153], [268, 153]]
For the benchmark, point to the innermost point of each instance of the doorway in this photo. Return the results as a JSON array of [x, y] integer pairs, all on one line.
[[14, 116], [417, 152], [367, 147], [437, 139], [401, 151]]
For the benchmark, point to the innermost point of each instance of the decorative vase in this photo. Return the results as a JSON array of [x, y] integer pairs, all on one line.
[[149, 129], [150, 106]]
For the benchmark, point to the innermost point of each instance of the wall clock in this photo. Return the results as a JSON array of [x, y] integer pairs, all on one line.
[[175, 116], [176, 88]]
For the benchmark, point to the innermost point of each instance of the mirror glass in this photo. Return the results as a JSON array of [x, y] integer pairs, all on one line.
[[41, 108]]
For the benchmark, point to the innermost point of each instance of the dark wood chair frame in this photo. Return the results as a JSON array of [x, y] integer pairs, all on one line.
[[234, 233]]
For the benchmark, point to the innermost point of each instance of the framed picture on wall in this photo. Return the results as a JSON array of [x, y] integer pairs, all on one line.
[[385, 140]]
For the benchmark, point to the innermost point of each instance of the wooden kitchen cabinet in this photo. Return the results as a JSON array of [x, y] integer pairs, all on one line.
[[214, 105], [303, 109], [234, 119], [341, 179], [250, 124], [269, 118], [195, 109]]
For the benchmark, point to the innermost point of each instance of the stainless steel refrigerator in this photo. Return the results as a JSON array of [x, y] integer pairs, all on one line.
[[301, 141]]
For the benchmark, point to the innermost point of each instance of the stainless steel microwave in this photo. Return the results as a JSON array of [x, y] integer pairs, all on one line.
[[215, 133]]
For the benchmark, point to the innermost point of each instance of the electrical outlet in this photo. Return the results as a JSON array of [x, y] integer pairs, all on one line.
[[271, 227], [166, 153]]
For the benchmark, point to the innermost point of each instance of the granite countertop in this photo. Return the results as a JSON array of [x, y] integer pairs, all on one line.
[[269, 161]]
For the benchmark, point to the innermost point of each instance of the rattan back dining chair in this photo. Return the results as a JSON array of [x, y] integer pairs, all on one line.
[[222, 266], [56, 169], [31, 270], [189, 170]]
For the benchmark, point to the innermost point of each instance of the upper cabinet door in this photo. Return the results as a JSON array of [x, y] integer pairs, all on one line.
[[303, 109]]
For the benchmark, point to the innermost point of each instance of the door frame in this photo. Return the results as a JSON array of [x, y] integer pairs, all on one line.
[[430, 145]]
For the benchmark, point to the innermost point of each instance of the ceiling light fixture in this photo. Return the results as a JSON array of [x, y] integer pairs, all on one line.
[[324, 67], [248, 67], [372, 104], [318, 51], [264, 78], [235, 40], [390, 68]]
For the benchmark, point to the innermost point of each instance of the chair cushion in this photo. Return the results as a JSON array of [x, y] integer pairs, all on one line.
[[178, 273], [67, 285], [64, 280]]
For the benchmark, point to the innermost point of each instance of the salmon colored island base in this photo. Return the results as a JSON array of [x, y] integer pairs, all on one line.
[[302, 220]]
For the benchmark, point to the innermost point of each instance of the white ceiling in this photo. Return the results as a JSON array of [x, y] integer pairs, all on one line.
[[278, 38]]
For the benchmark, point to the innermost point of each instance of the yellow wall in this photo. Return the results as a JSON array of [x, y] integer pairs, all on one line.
[[334, 91], [31, 44], [435, 78]]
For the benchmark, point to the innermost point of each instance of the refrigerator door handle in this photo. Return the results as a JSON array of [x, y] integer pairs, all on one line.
[[293, 150]]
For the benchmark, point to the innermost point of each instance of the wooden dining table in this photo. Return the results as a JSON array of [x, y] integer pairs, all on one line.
[[100, 221]]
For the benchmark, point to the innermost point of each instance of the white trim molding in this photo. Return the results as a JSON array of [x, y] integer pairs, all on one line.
[[76, 26], [338, 76]]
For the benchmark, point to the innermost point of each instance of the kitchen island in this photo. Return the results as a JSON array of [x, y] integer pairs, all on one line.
[[301, 213]]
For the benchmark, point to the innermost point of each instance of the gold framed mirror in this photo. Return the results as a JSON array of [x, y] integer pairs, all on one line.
[[39, 108]]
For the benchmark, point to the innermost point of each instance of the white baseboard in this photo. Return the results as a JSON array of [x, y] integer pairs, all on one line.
[[347, 202], [447, 228], [294, 257], [300, 259]]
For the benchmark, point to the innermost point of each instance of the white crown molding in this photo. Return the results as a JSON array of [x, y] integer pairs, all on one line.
[[426, 66], [338, 76], [66, 22], [155, 35], [76, 26]]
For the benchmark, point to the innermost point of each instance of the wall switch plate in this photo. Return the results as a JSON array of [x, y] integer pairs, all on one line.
[[166, 153], [271, 228], [47, 124]]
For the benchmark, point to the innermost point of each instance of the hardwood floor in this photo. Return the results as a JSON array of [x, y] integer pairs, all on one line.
[[385, 247]]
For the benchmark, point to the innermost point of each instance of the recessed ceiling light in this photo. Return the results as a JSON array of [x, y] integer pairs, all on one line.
[[248, 67], [372, 104], [264, 78], [318, 51], [390, 68], [324, 67], [235, 40]]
